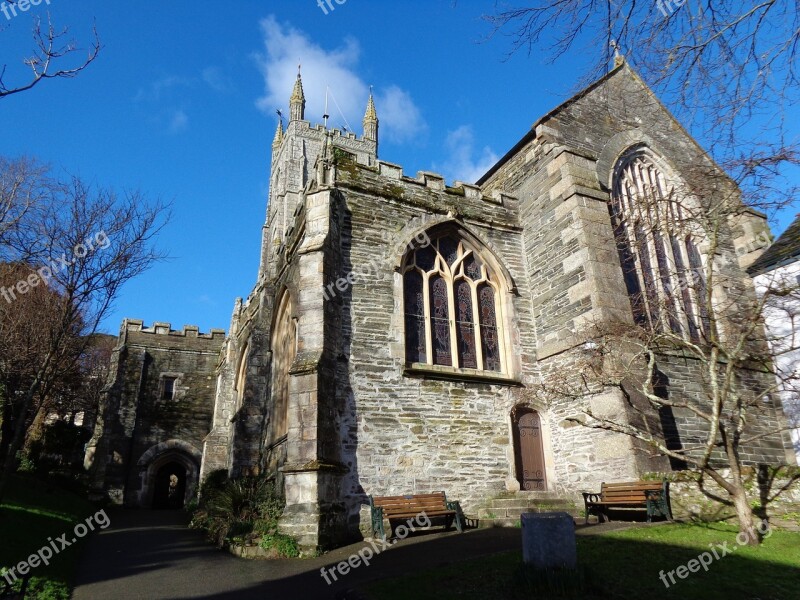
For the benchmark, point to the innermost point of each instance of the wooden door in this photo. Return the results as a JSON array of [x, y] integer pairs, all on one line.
[[529, 451]]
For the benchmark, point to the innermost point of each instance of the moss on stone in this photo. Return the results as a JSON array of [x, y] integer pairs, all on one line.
[[456, 191]]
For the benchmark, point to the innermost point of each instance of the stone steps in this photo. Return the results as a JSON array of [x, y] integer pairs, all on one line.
[[505, 510]]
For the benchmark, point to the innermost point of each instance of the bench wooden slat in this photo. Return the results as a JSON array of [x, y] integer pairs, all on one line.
[[629, 494], [414, 513], [395, 508]]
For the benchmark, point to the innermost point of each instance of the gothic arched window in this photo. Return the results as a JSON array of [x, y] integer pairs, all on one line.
[[284, 349], [241, 377], [450, 298], [656, 238]]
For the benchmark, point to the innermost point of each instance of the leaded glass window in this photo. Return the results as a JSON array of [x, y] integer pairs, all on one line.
[[489, 336], [655, 233], [414, 300], [450, 300], [440, 321], [465, 330]]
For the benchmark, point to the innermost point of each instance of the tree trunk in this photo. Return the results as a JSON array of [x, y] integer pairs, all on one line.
[[35, 431], [6, 428], [747, 526], [10, 463]]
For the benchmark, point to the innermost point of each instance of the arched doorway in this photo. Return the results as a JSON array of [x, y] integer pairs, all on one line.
[[529, 450], [170, 486], [180, 452]]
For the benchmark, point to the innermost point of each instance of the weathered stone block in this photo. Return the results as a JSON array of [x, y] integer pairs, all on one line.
[[548, 540]]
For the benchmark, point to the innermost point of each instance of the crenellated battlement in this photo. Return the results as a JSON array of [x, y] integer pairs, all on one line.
[[430, 191], [362, 147], [163, 328], [436, 182]]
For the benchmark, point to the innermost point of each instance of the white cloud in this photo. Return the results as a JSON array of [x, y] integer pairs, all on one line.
[[285, 47], [400, 119], [160, 87], [216, 79], [464, 162], [178, 122]]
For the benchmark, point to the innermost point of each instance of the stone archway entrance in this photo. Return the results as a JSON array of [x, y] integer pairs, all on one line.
[[529, 450], [170, 486], [172, 465]]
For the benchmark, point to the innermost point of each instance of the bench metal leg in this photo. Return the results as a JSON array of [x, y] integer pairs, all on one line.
[[459, 514], [376, 514]]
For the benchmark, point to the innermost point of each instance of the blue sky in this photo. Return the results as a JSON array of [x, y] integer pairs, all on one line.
[[181, 105]]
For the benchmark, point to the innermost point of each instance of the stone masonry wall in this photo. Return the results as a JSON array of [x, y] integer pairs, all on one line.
[[405, 433], [135, 417], [562, 174]]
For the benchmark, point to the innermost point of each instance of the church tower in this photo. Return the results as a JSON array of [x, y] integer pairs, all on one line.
[[295, 151]]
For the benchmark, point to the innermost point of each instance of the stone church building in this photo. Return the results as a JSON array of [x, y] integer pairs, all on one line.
[[398, 325]]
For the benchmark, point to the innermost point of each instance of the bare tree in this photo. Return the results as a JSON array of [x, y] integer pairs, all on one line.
[[24, 331], [74, 398], [52, 58], [95, 365], [720, 66], [83, 245], [727, 70], [22, 187], [685, 309]]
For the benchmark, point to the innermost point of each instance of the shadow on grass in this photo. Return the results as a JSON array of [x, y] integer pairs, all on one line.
[[609, 567], [33, 513], [170, 562]]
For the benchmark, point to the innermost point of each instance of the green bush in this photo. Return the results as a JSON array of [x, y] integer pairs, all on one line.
[[245, 508], [192, 505], [284, 544], [265, 526], [47, 589], [213, 482], [25, 462]]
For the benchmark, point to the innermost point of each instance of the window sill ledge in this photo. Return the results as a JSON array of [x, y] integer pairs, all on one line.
[[441, 372]]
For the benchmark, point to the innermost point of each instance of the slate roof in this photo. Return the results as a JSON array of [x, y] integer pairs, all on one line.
[[784, 250]]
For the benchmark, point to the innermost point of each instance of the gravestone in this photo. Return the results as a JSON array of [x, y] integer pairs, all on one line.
[[548, 540]]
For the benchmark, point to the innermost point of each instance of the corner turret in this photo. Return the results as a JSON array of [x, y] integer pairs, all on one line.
[[297, 103], [370, 122]]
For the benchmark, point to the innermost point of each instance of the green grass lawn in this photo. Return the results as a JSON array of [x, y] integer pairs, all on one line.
[[31, 512], [623, 564]]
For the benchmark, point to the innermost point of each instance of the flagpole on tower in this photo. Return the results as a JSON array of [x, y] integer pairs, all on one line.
[[326, 116]]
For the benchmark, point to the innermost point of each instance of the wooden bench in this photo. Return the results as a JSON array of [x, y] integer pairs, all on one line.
[[408, 508], [651, 495]]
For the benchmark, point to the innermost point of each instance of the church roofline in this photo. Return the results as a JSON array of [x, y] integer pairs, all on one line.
[[622, 66], [531, 134], [783, 251]]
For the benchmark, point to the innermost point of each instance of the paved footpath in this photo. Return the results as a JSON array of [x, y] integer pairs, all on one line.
[[152, 555]]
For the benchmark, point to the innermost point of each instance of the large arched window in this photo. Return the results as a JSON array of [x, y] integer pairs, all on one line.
[[241, 377], [451, 303], [656, 237], [284, 350]]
